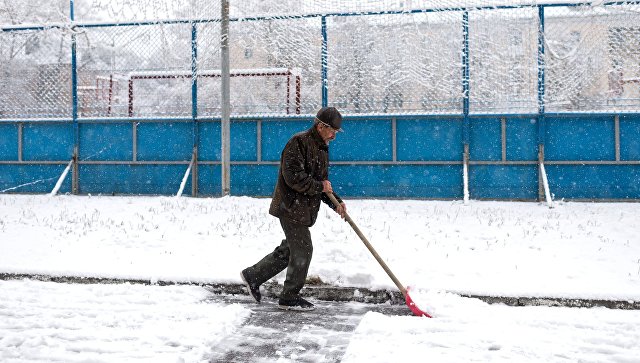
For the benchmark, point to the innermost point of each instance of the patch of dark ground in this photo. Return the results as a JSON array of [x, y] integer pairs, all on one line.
[[274, 335], [337, 293]]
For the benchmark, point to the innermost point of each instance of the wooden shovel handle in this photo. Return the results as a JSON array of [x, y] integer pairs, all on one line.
[[370, 247]]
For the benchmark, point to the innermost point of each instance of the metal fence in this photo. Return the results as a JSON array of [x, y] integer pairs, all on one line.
[[75, 69]]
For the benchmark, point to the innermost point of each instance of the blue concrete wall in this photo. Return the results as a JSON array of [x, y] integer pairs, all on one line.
[[630, 137], [575, 138], [522, 136], [8, 142], [580, 154], [427, 139], [47, 141], [106, 141], [32, 178]]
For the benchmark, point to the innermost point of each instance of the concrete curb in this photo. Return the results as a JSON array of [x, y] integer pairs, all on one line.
[[335, 293]]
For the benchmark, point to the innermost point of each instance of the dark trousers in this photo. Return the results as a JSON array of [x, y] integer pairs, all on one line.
[[294, 254]]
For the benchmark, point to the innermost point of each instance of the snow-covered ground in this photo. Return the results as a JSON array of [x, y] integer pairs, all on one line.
[[468, 330], [50, 322], [585, 250]]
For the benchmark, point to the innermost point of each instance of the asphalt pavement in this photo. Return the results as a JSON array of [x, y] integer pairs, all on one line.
[[274, 335]]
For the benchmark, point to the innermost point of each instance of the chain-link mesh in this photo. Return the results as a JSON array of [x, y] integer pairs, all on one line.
[[401, 63], [275, 67], [35, 77], [503, 69], [118, 11], [35, 72], [134, 58], [592, 58], [43, 12], [139, 71]]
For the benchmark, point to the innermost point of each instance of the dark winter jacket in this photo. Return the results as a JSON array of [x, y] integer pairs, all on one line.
[[304, 164]]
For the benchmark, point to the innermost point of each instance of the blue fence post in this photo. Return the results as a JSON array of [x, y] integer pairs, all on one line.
[[541, 92], [465, 104], [324, 63], [541, 65], [74, 102], [194, 108], [465, 75]]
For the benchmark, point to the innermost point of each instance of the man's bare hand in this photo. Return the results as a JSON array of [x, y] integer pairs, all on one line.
[[326, 187], [342, 210]]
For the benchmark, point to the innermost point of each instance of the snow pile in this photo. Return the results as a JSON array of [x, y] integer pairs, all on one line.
[[439, 304], [467, 330], [44, 322]]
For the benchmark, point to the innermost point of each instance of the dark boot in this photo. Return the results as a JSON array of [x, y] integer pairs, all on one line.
[[254, 290], [297, 304]]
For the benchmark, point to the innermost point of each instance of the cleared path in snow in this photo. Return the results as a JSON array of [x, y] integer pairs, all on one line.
[[271, 335]]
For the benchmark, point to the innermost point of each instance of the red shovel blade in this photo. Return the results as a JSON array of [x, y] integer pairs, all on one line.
[[414, 308]]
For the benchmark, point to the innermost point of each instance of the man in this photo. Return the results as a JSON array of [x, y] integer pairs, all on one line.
[[302, 183]]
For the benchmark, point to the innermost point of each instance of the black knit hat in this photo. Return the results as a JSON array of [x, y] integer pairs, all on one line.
[[330, 116]]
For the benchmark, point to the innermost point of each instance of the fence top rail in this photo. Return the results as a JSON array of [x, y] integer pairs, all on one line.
[[282, 117], [74, 25]]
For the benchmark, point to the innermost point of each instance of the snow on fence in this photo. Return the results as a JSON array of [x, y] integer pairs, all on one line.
[[56, 188], [420, 84]]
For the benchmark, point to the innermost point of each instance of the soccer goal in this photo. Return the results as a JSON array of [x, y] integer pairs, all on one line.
[[256, 89]]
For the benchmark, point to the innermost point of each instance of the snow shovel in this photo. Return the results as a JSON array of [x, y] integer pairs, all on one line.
[[403, 290]]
